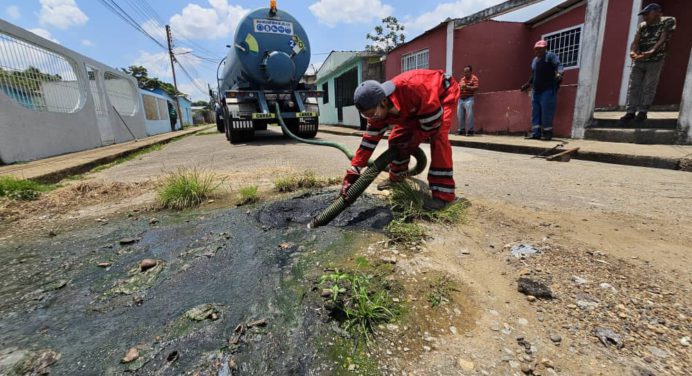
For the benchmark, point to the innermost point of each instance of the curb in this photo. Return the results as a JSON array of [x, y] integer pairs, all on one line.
[[80, 168], [683, 164]]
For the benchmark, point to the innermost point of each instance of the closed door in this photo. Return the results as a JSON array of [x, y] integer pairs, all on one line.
[[102, 120]]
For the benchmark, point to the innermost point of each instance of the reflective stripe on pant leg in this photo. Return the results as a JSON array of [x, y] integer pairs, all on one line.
[[398, 139], [440, 176]]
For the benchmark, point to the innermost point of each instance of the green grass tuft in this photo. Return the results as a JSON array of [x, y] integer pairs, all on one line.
[[440, 291], [400, 231], [186, 188], [407, 201], [361, 300], [306, 180], [248, 195], [21, 189]]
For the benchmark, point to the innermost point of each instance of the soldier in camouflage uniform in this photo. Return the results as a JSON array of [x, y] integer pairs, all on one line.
[[648, 51]]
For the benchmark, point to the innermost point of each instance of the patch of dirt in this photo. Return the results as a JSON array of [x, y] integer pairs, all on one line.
[[75, 200], [515, 334]]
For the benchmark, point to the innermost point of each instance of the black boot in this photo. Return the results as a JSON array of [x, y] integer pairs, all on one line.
[[641, 116], [626, 119], [547, 135]]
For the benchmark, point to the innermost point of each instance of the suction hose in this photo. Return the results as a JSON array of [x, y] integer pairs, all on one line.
[[380, 164]]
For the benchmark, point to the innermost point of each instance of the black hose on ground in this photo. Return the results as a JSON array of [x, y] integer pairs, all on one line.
[[380, 164]]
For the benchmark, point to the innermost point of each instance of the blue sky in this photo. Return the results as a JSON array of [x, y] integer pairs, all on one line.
[[205, 27]]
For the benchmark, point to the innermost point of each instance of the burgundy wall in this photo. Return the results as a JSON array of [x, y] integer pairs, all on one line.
[[673, 76], [435, 41], [498, 53], [613, 54], [510, 112]]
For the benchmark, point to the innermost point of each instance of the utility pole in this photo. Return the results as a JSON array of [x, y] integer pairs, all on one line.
[[169, 38]]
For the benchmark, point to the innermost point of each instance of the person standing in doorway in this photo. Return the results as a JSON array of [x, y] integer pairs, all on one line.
[[469, 85], [648, 51], [546, 75], [172, 115]]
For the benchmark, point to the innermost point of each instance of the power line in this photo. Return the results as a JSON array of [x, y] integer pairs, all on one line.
[[122, 14]]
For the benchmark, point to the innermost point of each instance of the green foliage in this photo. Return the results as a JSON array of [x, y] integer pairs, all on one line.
[[440, 291], [386, 41], [248, 195], [128, 157], [141, 74], [21, 189], [306, 180], [205, 104], [407, 201], [400, 231], [361, 299], [186, 188], [27, 81]]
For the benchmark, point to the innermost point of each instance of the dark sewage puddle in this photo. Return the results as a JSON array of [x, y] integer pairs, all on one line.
[[229, 291]]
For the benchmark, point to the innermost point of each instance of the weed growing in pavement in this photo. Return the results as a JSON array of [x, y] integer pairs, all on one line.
[[186, 188], [305, 180], [360, 301], [22, 189], [440, 291], [248, 195], [128, 157]]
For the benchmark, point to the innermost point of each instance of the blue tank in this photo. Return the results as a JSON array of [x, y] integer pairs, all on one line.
[[270, 51]]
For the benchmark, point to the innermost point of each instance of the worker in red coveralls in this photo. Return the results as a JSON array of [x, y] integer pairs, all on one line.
[[420, 104]]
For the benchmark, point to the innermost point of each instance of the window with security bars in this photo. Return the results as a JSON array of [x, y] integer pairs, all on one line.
[[566, 45], [416, 60]]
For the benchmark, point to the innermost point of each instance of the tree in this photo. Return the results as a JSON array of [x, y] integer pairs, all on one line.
[[204, 104], [27, 81], [385, 42], [141, 74]]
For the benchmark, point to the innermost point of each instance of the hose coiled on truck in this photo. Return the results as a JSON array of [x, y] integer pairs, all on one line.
[[380, 164]]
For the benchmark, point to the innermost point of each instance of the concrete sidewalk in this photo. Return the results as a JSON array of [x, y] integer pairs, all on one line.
[[53, 169], [673, 157]]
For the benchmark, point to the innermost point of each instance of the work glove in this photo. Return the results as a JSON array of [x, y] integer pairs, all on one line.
[[352, 174], [525, 86]]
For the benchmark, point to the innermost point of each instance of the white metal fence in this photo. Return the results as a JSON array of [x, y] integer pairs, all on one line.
[[54, 100], [38, 79]]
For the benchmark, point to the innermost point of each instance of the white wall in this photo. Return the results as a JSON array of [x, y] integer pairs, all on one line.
[[27, 134]]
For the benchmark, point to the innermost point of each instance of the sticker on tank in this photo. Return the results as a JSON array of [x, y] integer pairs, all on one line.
[[272, 26]]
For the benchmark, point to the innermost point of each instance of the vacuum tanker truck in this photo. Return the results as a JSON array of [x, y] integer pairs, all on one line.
[[268, 56]]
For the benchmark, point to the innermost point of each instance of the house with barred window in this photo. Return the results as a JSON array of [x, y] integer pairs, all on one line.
[[500, 53]]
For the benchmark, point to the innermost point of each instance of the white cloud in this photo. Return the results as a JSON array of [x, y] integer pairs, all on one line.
[[61, 14], [13, 12], [332, 12], [154, 29], [43, 33], [455, 9], [193, 90], [87, 43], [197, 22], [158, 64]]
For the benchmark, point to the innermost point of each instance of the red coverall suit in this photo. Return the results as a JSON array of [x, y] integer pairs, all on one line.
[[427, 103]]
